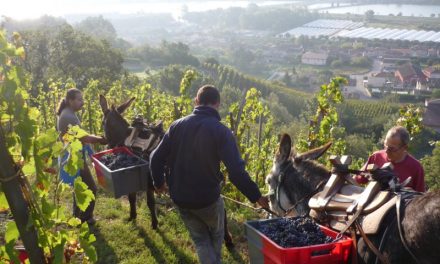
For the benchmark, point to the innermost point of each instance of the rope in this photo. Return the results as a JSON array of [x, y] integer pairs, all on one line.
[[250, 206]]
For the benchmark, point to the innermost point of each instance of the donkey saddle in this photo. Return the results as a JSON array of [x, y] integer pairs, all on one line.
[[141, 138], [342, 199]]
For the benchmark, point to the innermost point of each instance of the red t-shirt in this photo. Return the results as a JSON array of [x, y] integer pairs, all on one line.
[[408, 167]]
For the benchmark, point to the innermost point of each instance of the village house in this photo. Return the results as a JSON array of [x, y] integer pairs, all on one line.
[[381, 80], [410, 76], [431, 117], [433, 77], [314, 58], [347, 90]]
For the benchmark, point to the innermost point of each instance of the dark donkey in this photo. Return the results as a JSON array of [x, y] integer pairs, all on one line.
[[298, 175], [116, 130]]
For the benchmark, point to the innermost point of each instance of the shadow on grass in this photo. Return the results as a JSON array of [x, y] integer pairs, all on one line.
[[183, 258], [106, 254], [149, 243], [237, 239]]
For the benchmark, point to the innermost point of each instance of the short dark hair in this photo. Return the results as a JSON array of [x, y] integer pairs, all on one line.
[[401, 132], [208, 95]]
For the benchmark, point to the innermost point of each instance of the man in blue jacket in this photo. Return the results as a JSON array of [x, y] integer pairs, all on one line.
[[192, 148]]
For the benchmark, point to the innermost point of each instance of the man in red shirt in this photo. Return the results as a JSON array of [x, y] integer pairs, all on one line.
[[396, 151]]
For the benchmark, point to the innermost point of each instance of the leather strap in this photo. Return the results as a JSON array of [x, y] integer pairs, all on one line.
[[399, 226], [307, 197], [351, 222], [370, 244], [354, 259]]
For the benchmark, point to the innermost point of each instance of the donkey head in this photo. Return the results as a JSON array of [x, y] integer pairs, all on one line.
[[116, 128], [294, 177]]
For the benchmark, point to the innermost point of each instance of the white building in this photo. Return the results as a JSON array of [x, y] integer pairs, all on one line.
[[314, 58], [380, 79]]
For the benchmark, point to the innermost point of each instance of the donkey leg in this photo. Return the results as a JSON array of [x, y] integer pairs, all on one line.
[[151, 203], [228, 237], [132, 201]]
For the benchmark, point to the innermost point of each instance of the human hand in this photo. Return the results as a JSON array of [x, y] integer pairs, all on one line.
[[103, 141], [263, 202]]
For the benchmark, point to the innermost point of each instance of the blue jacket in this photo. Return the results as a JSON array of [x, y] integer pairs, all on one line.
[[192, 148]]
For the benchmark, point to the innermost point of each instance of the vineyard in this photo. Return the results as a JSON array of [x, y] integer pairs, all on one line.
[[30, 149], [28, 125], [294, 101], [367, 110]]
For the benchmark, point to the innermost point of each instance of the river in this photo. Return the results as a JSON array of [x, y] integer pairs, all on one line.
[[381, 9]]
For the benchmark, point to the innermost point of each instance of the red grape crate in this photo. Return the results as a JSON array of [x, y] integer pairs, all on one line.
[[125, 180], [265, 251]]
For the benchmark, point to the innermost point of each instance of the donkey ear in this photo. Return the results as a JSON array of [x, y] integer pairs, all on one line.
[[125, 105], [315, 153], [285, 147], [103, 103]]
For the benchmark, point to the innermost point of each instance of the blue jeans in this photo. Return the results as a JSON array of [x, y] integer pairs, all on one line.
[[206, 228]]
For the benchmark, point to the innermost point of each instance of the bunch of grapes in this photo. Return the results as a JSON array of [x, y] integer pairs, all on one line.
[[120, 160], [294, 232], [71, 248]]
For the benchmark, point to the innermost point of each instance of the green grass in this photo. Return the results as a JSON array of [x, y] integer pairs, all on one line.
[[120, 241]]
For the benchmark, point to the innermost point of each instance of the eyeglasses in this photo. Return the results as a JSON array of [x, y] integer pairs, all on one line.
[[392, 149]]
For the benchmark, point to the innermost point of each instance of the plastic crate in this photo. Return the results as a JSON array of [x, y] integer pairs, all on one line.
[[263, 250], [122, 181]]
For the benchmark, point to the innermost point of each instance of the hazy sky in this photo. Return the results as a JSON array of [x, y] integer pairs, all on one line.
[[21, 9]]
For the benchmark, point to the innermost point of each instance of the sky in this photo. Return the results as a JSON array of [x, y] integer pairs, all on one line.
[[25, 9]]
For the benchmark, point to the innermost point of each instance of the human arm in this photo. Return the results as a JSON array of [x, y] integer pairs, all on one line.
[[158, 160], [92, 139], [230, 156], [361, 179], [419, 180]]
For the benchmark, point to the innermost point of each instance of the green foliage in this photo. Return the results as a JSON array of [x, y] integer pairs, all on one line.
[[252, 124], [63, 52], [436, 93], [252, 18], [324, 124], [184, 102], [11, 235], [294, 101], [431, 165], [361, 62], [83, 195], [367, 118], [168, 53], [369, 15], [74, 147], [36, 148], [411, 118], [97, 27]]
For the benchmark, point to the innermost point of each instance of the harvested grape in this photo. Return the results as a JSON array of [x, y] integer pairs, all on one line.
[[120, 160], [294, 232]]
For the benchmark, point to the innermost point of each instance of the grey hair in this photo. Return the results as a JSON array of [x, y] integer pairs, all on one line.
[[400, 132]]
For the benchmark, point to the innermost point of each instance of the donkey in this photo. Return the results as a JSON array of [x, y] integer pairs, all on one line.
[[116, 130], [298, 175]]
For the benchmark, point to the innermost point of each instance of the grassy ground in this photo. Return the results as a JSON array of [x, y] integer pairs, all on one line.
[[120, 241]]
